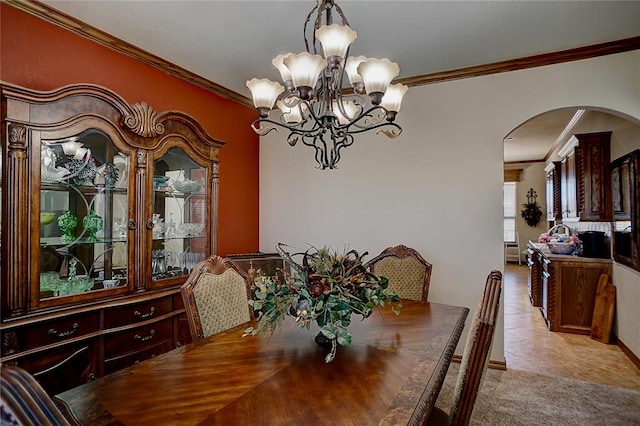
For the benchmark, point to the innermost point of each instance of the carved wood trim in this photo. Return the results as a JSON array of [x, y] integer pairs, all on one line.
[[14, 241], [557, 195], [9, 343], [138, 117], [143, 120]]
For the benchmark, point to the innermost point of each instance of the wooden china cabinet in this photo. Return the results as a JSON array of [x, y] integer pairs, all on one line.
[[106, 207]]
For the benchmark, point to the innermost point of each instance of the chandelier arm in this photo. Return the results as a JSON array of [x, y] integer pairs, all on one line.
[[338, 84], [304, 31], [378, 126], [342, 140], [293, 129], [344, 18], [320, 151], [363, 115]]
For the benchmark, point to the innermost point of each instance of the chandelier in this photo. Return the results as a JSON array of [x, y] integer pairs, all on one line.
[[313, 104]]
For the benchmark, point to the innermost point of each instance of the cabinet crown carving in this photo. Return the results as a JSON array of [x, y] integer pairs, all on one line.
[[144, 121]]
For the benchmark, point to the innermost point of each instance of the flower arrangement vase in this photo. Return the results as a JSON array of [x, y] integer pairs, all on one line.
[[323, 340]]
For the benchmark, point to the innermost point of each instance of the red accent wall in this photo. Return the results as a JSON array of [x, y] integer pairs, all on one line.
[[42, 56]]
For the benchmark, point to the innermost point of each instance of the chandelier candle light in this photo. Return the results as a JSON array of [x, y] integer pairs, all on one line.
[[314, 106]]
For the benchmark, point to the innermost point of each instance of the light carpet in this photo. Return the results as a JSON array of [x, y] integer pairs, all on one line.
[[516, 397]]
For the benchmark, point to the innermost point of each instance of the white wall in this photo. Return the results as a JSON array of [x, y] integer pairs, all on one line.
[[438, 187]]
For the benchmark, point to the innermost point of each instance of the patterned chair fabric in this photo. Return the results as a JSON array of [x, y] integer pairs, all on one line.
[[24, 402], [475, 357], [408, 273], [215, 297]]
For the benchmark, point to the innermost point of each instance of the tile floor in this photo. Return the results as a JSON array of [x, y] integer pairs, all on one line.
[[530, 346]]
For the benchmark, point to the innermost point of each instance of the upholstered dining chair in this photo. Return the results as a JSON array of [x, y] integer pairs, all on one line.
[[475, 357], [215, 297], [408, 273], [24, 402]]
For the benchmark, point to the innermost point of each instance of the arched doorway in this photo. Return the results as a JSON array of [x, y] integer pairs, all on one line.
[[529, 147]]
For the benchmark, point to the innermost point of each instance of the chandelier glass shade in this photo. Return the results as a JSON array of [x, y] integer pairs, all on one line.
[[315, 104]]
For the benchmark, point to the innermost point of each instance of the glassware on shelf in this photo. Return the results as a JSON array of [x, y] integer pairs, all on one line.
[[191, 260], [171, 227], [67, 224], [107, 175], [159, 264], [119, 228], [92, 223], [158, 226], [187, 186], [159, 183], [46, 218], [110, 283], [190, 229]]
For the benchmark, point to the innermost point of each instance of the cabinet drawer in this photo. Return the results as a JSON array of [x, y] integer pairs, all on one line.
[[60, 369], [49, 332], [118, 363], [137, 312], [137, 339]]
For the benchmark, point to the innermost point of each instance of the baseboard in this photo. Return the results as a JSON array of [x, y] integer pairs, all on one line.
[[494, 365], [628, 352]]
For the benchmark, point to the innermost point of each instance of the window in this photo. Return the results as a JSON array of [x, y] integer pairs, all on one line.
[[509, 212]]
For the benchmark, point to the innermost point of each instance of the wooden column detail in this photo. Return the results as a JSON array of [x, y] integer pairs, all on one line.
[[16, 205], [140, 236]]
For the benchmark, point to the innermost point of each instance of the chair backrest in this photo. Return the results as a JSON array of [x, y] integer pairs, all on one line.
[[24, 402], [476, 352], [215, 297], [408, 273]]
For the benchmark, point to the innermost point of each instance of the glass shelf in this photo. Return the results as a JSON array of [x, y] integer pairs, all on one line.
[[84, 214]]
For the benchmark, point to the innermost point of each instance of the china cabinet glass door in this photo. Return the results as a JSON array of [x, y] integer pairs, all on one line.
[[180, 213], [84, 211]]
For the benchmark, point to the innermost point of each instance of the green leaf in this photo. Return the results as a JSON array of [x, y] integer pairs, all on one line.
[[344, 340], [330, 331]]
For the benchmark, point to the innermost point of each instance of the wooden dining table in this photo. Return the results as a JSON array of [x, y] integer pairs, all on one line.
[[390, 375]]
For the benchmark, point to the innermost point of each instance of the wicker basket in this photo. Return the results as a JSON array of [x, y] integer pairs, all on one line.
[[558, 247], [561, 248]]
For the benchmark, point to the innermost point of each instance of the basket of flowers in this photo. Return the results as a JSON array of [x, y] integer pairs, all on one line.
[[560, 239]]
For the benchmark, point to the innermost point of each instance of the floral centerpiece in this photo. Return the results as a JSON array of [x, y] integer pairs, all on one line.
[[326, 289]]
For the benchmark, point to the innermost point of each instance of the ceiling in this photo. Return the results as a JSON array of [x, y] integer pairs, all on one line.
[[229, 42]]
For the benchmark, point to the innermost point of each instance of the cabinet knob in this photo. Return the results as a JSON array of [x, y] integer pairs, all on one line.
[[132, 224]]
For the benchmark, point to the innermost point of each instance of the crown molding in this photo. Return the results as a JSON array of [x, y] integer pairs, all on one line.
[[544, 59], [85, 30]]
